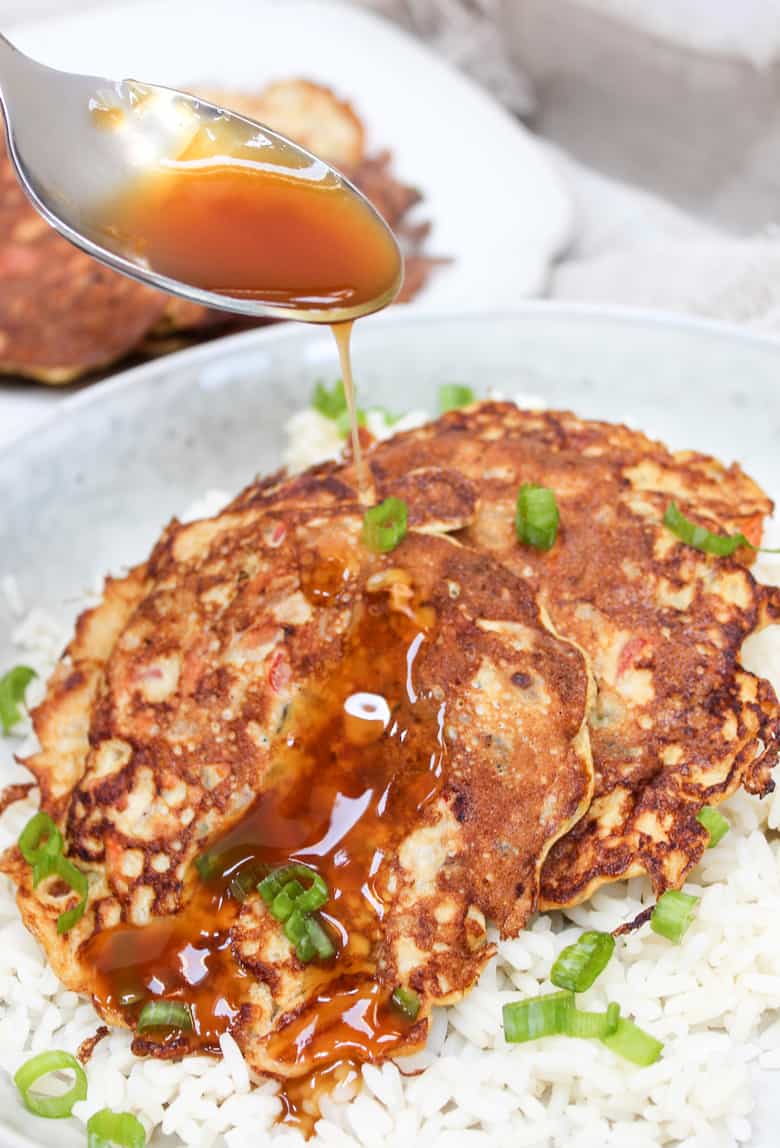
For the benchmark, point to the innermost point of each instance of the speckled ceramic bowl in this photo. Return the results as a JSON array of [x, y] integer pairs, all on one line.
[[88, 491]]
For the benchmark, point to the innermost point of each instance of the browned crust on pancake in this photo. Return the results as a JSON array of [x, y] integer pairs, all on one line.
[[62, 314], [165, 716], [678, 723], [13, 793], [88, 1046]]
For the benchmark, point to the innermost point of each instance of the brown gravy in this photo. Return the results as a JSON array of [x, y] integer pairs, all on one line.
[[244, 215], [248, 217], [361, 754]]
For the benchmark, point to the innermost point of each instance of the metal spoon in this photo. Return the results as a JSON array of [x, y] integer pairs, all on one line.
[[68, 166]]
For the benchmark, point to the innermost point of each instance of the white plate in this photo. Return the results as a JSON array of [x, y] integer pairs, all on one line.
[[496, 205], [91, 489]]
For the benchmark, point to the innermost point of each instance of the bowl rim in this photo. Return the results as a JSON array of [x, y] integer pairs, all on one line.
[[408, 314]]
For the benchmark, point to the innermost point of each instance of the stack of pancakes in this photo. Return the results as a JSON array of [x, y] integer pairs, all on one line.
[[591, 699]]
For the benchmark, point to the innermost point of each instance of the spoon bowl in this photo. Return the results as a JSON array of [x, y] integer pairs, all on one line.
[[78, 143]]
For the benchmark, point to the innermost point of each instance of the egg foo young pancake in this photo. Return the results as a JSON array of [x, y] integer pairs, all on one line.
[[678, 723], [404, 729]]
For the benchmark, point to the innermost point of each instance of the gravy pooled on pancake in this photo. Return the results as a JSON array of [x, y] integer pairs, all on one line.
[[267, 692]]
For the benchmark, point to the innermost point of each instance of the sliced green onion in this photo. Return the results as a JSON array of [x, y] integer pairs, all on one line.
[[308, 936], [385, 525], [715, 823], [406, 1001], [165, 1014], [590, 1025], [309, 899], [293, 904], [555, 1014], [305, 950], [323, 945], [272, 884], [454, 395], [209, 864], [699, 537], [315, 896], [52, 1107], [285, 900], [536, 516], [633, 1043], [330, 401], [13, 686], [538, 1016], [721, 545], [244, 882], [41, 845], [122, 1129], [294, 926], [579, 964], [77, 880], [40, 839], [673, 914]]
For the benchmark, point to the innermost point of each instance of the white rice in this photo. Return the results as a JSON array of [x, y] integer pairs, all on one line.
[[713, 1000]]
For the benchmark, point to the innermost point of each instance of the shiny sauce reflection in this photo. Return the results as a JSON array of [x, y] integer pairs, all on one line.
[[361, 754], [243, 214]]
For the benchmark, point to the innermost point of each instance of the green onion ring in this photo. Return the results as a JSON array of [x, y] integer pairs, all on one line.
[[454, 395], [315, 896], [13, 686], [307, 900], [673, 915], [106, 1128], [589, 1025], [165, 1014], [295, 926], [323, 945], [578, 965], [715, 823], [530, 1019], [52, 1107], [286, 899], [385, 525], [77, 880], [406, 1001], [330, 401], [305, 950], [244, 882], [536, 516], [208, 864], [40, 838], [633, 1043], [613, 1016], [700, 538]]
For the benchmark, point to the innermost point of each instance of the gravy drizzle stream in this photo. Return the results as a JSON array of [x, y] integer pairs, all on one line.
[[247, 217], [343, 335]]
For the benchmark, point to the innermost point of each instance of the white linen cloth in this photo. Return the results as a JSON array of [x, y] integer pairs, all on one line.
[[637, 250]]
